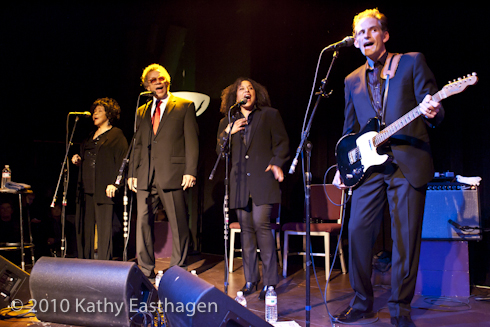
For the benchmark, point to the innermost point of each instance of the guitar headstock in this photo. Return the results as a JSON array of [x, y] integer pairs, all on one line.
[[459, 85]]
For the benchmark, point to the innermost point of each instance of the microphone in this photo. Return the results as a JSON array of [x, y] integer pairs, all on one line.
[[147, 94], [239, 103], [79, 113], [455, 224], [346, 42]]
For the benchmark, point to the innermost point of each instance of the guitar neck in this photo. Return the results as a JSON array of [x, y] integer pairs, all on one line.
[[403, 121]]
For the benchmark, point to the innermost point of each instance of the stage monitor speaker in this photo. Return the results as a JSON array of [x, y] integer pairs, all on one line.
[[188, 301], [90, 292], [452, 212], [14, 284]]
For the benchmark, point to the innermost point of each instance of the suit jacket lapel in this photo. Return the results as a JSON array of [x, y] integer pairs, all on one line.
[[146, 117], [168, 109], [255, 122], [365, 87]]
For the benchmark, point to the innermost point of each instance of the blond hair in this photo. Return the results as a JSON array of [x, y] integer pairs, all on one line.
[[153, 67], [373, 13]]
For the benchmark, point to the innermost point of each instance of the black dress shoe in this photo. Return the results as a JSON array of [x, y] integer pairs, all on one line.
[[264, 290], [248, 288], [353, 315], [402, 321]]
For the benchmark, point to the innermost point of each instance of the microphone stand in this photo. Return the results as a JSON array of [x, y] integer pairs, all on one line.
[[120, 177], [307, 178], [64, 172], [225, 152]]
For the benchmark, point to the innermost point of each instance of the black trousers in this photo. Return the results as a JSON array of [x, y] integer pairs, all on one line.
[[406, 205], [175, 208], [256, 232], [99, 215]]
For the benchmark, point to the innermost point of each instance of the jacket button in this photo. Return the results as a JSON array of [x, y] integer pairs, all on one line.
[[246, 156], [248, 174]]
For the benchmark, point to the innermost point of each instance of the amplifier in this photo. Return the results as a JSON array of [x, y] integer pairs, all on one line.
[[452, 212]]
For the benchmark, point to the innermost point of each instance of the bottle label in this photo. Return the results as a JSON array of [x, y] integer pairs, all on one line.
[[271, 300], [5, 174]]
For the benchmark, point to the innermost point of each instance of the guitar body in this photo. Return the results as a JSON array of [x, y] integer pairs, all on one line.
[[357, 155]]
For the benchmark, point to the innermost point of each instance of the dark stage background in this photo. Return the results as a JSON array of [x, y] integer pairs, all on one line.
[[58, 57]]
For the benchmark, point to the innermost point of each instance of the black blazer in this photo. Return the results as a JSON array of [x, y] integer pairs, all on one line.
[[268, 145], [111, 149], [172, 152], [413, 80]]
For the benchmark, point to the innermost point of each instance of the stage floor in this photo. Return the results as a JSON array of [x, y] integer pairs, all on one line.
[[427, 311]]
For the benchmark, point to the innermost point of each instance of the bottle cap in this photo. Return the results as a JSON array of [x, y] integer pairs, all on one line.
[[194, 272], [160, 271], [239, 293]]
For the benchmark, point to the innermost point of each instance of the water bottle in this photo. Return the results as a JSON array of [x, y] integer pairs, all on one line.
[[158, 277], [241, 299], [194, 273], [6, 175], [271, 305]]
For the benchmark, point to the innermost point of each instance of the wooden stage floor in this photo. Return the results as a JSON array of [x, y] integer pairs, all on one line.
[[427, 311]]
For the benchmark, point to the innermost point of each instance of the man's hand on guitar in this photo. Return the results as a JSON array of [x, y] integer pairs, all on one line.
[[337, 181], [429, 108]]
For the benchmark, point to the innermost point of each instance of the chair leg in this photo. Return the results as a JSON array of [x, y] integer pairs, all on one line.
[[278, 247], [285, 255], [232, 250], [327, 255], [342, 257], [304, 249]]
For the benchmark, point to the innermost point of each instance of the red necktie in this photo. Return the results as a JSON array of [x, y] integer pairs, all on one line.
[[155, 120]]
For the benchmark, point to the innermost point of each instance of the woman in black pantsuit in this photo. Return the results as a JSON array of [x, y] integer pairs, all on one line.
[[259, 149], [101, 155]]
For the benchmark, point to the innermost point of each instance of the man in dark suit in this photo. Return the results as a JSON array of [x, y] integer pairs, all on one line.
[[402, 183], [163, 166]]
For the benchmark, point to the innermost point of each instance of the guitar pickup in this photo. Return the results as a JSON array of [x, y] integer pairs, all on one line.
[[354, 155]]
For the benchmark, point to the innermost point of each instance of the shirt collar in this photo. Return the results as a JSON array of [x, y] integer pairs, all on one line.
[[382, 61], [164, 103]]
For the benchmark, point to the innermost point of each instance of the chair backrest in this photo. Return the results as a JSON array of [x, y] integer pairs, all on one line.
[[321, 207], [276, 213]]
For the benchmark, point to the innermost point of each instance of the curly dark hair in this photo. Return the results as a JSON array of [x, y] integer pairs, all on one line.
[[228, 95], [112, 109]]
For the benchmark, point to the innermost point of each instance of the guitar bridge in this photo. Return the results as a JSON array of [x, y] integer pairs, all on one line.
[[354, 155]]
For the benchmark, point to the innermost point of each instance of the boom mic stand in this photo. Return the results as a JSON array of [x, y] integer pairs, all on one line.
[[225, 152], [64, 173], [307, 179]]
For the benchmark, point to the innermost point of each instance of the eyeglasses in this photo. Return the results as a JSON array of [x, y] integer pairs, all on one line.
[[160, 79]]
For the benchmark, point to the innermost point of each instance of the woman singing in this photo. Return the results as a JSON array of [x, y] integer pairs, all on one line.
[[100, 158], [259, 148]]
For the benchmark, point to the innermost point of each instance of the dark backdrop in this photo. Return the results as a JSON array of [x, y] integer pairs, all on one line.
[[58, 57]]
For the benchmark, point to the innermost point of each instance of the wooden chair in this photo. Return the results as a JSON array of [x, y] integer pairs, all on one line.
[[320, 208], [276, 232]]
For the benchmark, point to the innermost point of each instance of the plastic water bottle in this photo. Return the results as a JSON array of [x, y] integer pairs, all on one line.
[[6, 175], [241, 299], [158, 278], [271, 305]]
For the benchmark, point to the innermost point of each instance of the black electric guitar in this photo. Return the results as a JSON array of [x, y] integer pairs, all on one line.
[[357, 154]]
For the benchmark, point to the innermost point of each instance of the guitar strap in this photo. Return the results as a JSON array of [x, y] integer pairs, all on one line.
[[388, 72]]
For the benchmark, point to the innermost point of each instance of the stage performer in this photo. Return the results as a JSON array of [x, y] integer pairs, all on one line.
[[100, 157], [162, 166], [402, 183], [259, 149]]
